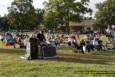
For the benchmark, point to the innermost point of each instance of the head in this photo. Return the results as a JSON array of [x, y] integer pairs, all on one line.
[[41, 32]]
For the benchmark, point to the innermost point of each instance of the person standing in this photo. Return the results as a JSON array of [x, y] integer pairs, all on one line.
[[40, 36]]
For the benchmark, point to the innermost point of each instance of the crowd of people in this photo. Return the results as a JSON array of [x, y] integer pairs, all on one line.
[[87, 44], [91, 41], [13, 39]]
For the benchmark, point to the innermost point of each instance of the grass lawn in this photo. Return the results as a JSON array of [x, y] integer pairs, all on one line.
[[67, 64]]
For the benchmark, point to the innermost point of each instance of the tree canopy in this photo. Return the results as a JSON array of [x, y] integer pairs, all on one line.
[[22, 14], [4, 23], [63, 11], [105, 14]]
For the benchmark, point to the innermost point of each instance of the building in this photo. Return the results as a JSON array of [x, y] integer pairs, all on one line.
[[85, 25]]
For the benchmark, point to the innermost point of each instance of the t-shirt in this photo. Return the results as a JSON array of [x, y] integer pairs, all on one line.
[[95, 42], [41, 37]]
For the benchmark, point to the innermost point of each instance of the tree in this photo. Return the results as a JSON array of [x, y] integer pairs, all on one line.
[[4, 23], [39, 16], [105, 14], [22, 14], [65, 11], [51, 19]]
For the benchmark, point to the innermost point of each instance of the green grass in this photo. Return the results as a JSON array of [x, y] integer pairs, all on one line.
[[67, 64]]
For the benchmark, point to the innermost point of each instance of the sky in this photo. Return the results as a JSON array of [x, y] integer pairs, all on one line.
[[38, 4]]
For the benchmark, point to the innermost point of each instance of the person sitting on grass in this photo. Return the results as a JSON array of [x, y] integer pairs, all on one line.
[[88, 45], [72, 41], [57, 41], [69, 41], [2, 38], [113, 42], [96, 43], [82, 46]]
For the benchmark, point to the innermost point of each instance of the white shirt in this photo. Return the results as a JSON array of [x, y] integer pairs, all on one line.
[[1, 37], [95, 42], [69, 39], [26, 41]]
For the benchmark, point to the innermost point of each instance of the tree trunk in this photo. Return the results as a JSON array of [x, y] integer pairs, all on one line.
[[67, 28]]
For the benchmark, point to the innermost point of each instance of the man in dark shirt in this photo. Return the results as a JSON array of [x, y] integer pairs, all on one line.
[[41, 37]]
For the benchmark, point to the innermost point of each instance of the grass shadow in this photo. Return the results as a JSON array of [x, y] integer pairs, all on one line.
[[105, 53], [80, 59], [72, 58]]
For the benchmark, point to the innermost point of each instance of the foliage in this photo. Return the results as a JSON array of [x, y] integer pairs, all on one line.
[[22, 14], [39, 16], [51, 20], [105, 14], [64, 11], [4, 25]]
